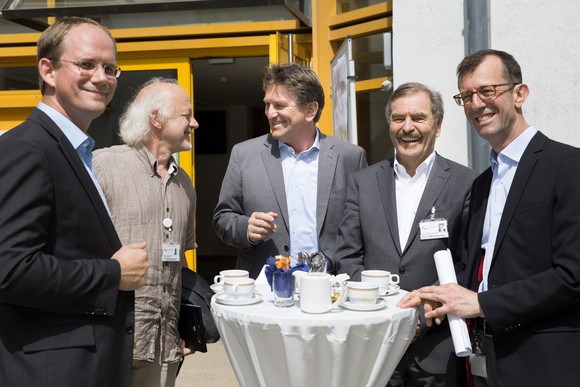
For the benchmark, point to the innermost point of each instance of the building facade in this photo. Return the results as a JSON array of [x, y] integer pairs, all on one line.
[[217, 50]]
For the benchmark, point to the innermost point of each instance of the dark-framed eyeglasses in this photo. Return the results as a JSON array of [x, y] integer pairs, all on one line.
[[483, 92], [89, 68]]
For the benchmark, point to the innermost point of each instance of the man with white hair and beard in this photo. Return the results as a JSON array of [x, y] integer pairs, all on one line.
[[152, 199]]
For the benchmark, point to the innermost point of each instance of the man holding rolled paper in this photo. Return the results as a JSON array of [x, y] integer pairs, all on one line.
[[399, 212], [522, 274]]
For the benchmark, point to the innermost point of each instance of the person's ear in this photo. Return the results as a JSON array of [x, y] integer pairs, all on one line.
[[154, 119], [439, 123], [46, 71], [311, 110], [520, 94]]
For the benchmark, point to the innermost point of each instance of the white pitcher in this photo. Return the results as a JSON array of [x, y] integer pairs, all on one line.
[[316, 291]]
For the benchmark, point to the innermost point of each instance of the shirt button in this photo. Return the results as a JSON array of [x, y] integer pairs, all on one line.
[[129, 329], [402, 270]]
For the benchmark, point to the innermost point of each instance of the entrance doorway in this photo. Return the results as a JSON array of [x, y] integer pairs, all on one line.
[[229, 107]]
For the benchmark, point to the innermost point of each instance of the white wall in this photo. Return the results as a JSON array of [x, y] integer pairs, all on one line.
[[427, 46], [543, 36]]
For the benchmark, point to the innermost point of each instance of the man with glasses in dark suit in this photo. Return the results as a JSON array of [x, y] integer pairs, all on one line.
[[522, 276]]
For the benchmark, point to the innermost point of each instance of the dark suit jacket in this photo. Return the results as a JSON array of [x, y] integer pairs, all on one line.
[[254, 181], [63, 321], [533, 299], [368, 238]]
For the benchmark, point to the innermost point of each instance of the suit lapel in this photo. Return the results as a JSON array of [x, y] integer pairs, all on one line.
[[79, 169], [273, 166], [386, 184], [437, 180], [477, 209], [524, 171], [327, 161]]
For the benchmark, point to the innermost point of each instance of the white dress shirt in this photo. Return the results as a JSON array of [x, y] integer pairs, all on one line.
[[300, 183], [409, 191]]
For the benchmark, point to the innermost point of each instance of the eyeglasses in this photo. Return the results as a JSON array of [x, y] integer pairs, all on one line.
[[89, 68], [483, 92]]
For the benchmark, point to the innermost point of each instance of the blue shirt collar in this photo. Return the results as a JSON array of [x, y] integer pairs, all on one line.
[[315, 145], [72, 132]]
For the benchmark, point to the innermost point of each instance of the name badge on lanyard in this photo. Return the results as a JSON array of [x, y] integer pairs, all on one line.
[[170, 250], [433, 228]]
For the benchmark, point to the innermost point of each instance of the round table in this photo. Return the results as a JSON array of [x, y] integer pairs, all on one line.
[[276, 347]]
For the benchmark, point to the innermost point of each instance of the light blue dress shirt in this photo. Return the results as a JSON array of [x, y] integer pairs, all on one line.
[[503, 166], [82, 143], [301, 182]]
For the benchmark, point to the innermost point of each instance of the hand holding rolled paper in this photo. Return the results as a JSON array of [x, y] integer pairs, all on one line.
[[446, 274], [448, 299]]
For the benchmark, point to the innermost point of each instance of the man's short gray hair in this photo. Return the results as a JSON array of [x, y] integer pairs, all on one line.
[[412, 88], [134, 124]]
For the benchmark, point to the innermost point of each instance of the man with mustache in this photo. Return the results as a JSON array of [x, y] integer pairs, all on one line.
[[284, 192], [152, 199], [399, 212]]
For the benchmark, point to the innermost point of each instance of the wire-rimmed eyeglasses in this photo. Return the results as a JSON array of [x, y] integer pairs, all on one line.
[[483, 92], [88, 68]]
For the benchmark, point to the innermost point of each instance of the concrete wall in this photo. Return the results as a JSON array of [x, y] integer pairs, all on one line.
[[427, 46], [429, 42], [544, 37]]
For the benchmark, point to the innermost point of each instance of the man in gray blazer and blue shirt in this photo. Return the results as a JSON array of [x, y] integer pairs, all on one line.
[[381, 226], [284, 192]]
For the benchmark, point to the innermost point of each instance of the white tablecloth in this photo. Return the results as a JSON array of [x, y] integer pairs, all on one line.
[[277, 347]]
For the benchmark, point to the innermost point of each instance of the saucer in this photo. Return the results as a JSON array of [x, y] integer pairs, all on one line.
[[393, 289], [222, 298], [380, 304], [217, 288]]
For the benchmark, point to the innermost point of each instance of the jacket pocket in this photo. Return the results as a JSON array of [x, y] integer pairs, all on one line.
[[58, 337]]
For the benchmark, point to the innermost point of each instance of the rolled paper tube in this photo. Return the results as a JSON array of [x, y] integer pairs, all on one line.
[[457, 325]]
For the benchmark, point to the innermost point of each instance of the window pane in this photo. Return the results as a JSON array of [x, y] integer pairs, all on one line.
[[350, 5], [19, 78], [373, 132], [368, 56]]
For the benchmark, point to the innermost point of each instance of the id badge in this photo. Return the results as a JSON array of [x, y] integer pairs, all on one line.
[[477, 365], [170, 252], [433, 229]]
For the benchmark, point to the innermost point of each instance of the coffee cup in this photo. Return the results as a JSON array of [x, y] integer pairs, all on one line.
[[382, 278], [362, 293], [239, 288], [232, 274]]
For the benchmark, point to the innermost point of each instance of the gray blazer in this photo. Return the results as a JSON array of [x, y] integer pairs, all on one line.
[[368, 238], [254, 181]]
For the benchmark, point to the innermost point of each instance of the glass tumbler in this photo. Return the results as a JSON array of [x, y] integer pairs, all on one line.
[[283, 287]]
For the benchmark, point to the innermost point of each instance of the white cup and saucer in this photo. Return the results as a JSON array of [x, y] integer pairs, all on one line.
[[239, 291], [231, 274], [388, 283], [363, 296]]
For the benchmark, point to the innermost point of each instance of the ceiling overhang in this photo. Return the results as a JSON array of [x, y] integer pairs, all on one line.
[[17, 11]]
